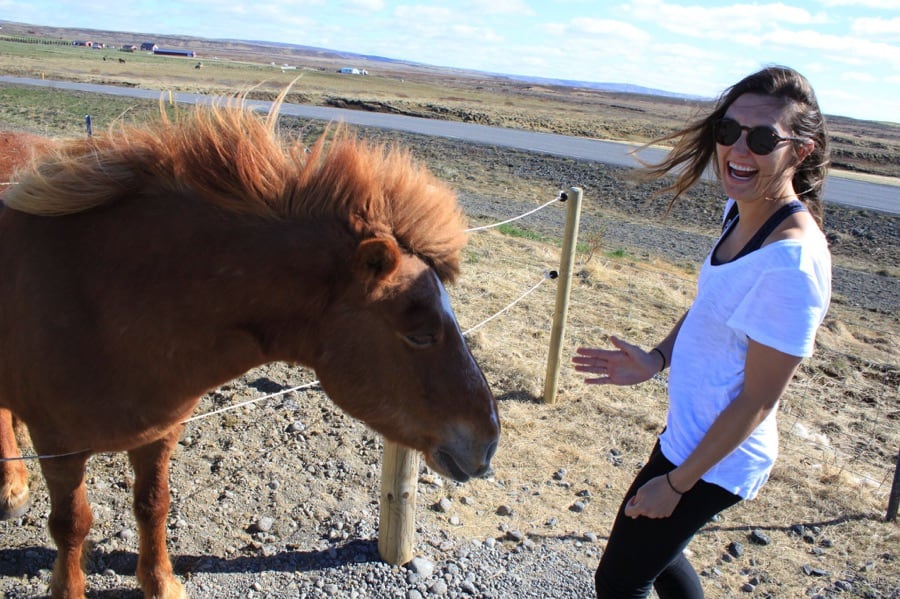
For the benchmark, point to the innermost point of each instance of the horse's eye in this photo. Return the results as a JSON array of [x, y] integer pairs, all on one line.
[[420, 341]]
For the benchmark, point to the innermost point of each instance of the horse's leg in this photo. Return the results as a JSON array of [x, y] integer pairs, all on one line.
[[69, 522], [151, 507], [14, 494]]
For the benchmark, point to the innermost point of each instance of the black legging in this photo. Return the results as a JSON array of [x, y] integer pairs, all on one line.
[[645, 552]]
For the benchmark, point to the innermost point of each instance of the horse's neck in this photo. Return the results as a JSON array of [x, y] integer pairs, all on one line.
[[250, 290], [272, 279]]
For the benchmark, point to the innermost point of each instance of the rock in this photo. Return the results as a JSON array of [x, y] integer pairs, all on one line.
[[515, 535], [758, 537], [577, 507], [439, 588], [813, 571], [264, 524], [421, 566], [844, 585]]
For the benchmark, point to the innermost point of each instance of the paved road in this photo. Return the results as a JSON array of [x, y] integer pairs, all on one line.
[[840, 190]]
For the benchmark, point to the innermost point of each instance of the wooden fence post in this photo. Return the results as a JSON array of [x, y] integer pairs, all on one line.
[[567, 261], [397, 512], [894, 501]]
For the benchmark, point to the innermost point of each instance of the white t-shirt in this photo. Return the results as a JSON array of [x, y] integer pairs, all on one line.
[[777, 296]]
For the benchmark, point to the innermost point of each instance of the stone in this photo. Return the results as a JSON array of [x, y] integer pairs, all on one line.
[[421, 566], [758, 537]]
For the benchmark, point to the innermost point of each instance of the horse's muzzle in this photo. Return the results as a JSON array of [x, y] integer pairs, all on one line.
[[462, 466]]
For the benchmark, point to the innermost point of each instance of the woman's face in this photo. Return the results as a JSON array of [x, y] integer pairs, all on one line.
[[747, 176]]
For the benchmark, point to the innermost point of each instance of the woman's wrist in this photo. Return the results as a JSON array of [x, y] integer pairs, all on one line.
[[679, 481], [672, 486], [662, 357]]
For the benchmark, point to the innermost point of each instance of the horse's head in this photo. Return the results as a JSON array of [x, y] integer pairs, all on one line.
[[394, 357]]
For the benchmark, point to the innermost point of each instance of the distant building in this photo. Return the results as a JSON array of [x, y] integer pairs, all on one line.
[[175, 52], [352, 71], [129, 48], [149, 47], [83, 43]]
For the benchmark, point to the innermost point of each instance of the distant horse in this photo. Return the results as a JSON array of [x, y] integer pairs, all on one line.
[[144, 267]]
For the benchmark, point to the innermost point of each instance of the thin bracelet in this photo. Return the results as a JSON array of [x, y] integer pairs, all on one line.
[[661, 355], [671, 486]]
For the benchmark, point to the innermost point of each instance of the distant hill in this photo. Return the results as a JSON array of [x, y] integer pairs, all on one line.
[[624, 88]]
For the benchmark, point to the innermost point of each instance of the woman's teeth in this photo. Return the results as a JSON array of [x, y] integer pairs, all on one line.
[[741, 172]]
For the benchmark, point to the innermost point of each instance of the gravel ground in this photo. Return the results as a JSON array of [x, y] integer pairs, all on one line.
[[248, 520]]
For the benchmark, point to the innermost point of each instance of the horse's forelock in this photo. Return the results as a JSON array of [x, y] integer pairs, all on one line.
[[382, 191]]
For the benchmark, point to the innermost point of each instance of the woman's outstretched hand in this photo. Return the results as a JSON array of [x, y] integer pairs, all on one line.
[[626, 365]]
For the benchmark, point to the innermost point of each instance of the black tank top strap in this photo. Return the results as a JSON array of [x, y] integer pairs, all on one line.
[[770, 225]]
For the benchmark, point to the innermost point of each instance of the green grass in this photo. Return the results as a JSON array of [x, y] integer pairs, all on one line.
[[514, 231], [57, 112], [618, 253]]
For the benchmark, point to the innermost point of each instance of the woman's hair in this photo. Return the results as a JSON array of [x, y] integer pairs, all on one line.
[[695, 145]]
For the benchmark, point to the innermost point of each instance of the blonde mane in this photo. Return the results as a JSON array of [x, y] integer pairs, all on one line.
[[232, 158]]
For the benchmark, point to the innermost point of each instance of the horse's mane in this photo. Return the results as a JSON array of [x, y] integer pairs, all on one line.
[[233, 158]]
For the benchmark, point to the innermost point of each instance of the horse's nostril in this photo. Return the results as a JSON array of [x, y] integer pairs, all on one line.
[[489, 452]]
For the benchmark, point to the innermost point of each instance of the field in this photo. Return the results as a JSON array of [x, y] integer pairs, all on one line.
[[635, 271]]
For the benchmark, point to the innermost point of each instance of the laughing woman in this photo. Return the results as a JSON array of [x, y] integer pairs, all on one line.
[[762, 293]]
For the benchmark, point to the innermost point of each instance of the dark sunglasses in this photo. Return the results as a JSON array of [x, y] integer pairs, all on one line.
[[761, 139]]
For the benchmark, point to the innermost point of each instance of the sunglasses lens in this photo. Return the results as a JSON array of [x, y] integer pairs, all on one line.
[[762, 140], [727, 131]]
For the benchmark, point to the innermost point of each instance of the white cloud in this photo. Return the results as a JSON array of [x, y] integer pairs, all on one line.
[[858, 77], [601, 30], [363, 5], [419, 14], [842, 49], [481, 34], [500, 7], [719, 22], [889, 28], [875, 4]]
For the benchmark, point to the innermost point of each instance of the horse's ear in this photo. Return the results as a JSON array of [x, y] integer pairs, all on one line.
[[376, 260]]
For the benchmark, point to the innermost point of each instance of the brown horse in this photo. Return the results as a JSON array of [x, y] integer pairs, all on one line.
[[144, 267]]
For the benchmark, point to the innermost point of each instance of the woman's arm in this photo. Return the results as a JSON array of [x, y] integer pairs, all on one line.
[[767, 374]]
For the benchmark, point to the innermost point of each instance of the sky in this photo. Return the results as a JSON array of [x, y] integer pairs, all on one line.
[[848, 49]]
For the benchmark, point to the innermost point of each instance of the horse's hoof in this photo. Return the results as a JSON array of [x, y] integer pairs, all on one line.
[[13, 509]]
